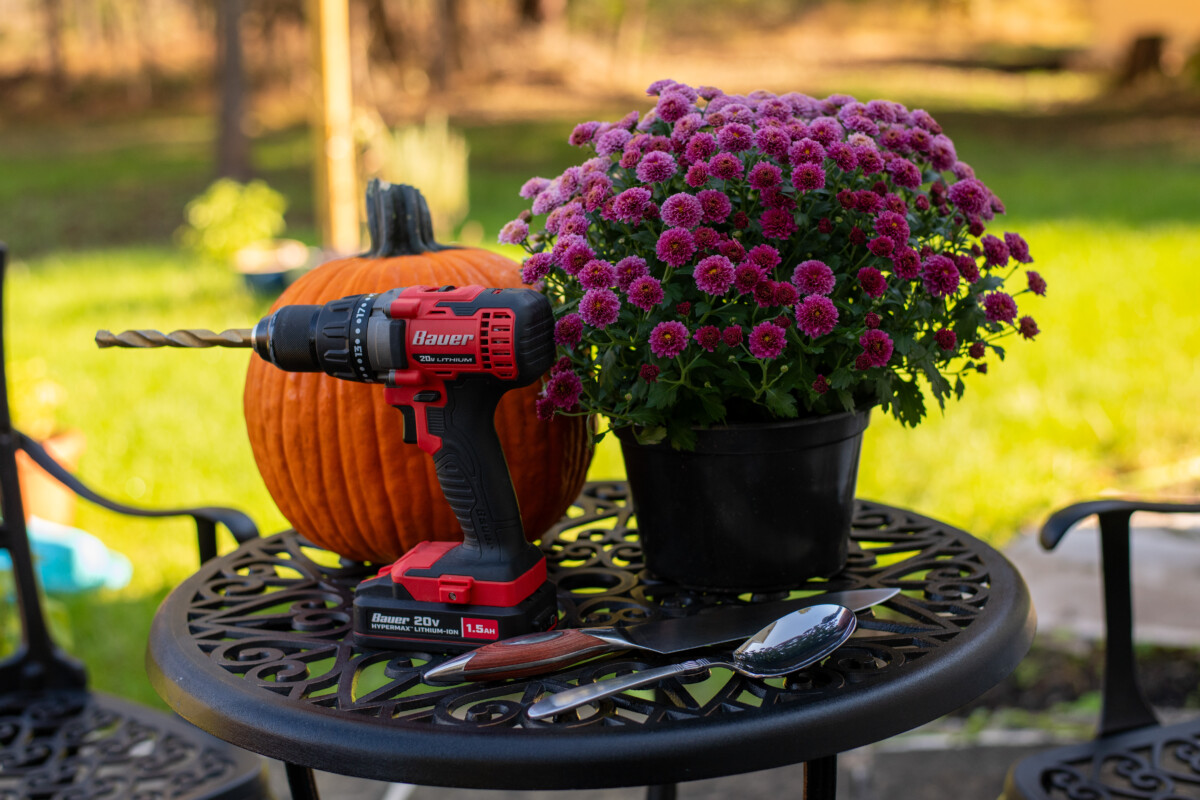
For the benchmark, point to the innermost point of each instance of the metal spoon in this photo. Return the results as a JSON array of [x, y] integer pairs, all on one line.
[[789, 643]]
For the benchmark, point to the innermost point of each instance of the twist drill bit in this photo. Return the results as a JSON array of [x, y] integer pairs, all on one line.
[[194, 337]]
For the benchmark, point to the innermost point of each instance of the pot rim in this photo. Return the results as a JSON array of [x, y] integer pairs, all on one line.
[[777, 436]]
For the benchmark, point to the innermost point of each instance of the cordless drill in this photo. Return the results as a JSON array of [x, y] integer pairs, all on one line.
[[445, 356]]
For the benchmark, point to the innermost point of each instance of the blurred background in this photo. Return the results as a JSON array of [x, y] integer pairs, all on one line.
[[149, 148]]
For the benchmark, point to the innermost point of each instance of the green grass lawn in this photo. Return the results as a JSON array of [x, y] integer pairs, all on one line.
[[1107, 392]]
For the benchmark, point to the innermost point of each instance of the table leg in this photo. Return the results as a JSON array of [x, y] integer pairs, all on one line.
[[820, 779], [301, 782], [664, 792]]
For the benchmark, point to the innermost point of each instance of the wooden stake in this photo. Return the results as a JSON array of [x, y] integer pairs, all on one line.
[[336, 181]]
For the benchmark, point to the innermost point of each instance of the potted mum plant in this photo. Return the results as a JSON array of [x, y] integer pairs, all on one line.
[[737, 280]]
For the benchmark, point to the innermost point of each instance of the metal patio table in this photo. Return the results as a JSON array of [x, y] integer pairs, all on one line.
[[255, 649]]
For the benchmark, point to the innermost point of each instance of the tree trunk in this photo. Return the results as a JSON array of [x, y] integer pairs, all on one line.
[[52, 24], [447, 58], [233, 145]]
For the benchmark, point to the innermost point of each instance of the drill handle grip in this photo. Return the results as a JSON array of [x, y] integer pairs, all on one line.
[[473, 473]]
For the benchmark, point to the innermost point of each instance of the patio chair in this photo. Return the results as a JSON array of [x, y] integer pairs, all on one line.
[[1133, 755], [58, 738]]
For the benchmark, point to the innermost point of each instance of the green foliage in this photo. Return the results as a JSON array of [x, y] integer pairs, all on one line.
[[230, 215]]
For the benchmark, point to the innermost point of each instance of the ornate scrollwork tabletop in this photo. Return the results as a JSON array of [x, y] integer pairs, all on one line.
[[255, 648]]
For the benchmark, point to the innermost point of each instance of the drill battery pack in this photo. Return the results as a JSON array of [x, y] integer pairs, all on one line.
[[402, 608]]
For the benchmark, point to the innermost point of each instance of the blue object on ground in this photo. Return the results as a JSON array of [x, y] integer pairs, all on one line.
[[70, 560]]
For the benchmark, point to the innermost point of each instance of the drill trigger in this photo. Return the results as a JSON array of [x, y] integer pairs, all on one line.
[[410, 424]]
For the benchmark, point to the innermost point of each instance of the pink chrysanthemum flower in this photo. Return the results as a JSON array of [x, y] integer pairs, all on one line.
[[684, 128], [872, 320], [629, 269], [597, 274], [773, 141], [645, 292], [767, 340], [967, 267], [778, 224], [733, 250], [612, 142], [682, 210], [814, 277], [533, 187], [714, 275], [765, 256], [977, 350], [816, 315], [683, 309], [648, 373], [941, 153], [747, 276], [514, 232], [881, 246], [547, 200], [807, 177], [536, 267], [920, 140], [599, 307], [726, 166], [946, 339], [708, 337], [877, 347], [1028, 327], [568, 331], [573, 225], [1018, 248], [806, 151], [970, 195], [706, 238], [894, 226], [656, 167], [583, 133], [668, 339], [672, 107], [764, 293], [764, 175], [700, 147], [543, 409], [939, 275], [820, 385], [732, 336], [675, 247], [785, 295], [697, 175], [715, 205], [735, 137], [563, 389], [825, 130], [575, 257], [904, 173], [995, 251], [1037, 284], [864, 200], [630, 205], [843, 155], [999, 307], [872, 282]]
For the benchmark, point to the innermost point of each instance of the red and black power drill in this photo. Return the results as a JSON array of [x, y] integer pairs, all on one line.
[[445, 355]]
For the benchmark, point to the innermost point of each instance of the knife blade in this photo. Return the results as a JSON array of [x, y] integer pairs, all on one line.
[[546, 651]]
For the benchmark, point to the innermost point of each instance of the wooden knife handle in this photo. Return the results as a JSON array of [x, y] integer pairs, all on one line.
[[532, 654]]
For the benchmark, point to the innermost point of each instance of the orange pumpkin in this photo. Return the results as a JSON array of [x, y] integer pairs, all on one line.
[[331, 452]]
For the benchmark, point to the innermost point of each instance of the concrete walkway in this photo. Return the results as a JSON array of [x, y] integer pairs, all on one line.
[[934, 762]]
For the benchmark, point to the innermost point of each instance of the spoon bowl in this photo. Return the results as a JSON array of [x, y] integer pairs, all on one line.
[[790, 643]]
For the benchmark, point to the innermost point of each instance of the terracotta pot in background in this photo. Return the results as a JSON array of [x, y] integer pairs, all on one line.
[[41, 495]]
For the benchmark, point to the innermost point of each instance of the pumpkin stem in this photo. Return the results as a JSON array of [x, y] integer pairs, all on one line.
[[399, 222]]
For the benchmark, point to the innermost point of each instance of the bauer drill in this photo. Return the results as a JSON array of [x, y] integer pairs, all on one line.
[[445, 356]]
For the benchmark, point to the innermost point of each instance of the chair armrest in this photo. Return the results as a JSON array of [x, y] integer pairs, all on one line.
[[1056, 527], [206, 517]]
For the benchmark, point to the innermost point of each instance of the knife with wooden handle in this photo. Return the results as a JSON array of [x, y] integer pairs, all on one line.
[[537, 653]]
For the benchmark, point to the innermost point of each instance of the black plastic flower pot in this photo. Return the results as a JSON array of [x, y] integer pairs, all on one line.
[[755, 507]]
